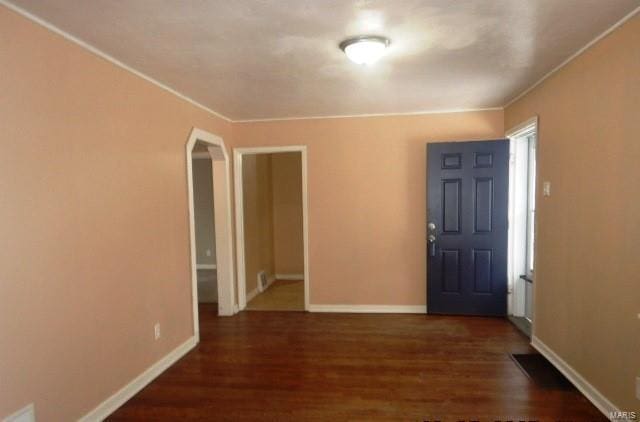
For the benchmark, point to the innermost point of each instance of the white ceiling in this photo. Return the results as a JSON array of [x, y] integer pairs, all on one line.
[[254, 59]]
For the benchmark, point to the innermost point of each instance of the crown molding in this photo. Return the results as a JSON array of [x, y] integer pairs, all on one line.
[[351, 116]]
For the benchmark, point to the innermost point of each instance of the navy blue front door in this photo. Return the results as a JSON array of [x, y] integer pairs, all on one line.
[[467, 203]]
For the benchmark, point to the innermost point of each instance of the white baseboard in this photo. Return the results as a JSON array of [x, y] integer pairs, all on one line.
[[259, 289], [26, 414], [253, 293], [111, 404], [370, 309], [270, 281], [206, 266], [589, 391], [289, 276]]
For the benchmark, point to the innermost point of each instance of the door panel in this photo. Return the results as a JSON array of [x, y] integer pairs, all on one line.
[[483, 207], [482, 270], [451, 205], [451, 271], [467, 203]]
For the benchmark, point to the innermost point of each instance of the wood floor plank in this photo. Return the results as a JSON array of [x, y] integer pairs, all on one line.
[[292, 366]]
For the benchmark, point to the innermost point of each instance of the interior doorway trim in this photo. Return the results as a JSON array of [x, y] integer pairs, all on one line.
[[224, 264], [240, 249], [516, 301]]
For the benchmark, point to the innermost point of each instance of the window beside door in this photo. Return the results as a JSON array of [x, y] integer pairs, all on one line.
[[530, 140]]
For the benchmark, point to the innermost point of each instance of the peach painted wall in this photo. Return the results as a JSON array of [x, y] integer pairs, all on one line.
[[288, 238], [93, 222], [258, 218], [587, 272], [366, 191]]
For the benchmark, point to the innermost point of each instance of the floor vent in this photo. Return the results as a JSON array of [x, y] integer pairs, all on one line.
[[262, 280], [541, 371]]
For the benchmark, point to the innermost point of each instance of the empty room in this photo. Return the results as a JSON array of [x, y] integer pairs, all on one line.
[[320, 210]]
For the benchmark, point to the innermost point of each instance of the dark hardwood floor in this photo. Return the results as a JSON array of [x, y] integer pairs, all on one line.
[[295, 366]]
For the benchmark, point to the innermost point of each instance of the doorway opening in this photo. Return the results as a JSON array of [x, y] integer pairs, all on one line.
[[522, 210], [272, 229], [204, 221], [211, 247]]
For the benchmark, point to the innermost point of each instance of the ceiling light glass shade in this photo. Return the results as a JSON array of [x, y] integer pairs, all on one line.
[[365, 50]]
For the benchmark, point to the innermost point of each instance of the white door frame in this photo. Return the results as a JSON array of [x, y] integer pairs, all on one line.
[[224, 251], [237, 173], [516, 290]]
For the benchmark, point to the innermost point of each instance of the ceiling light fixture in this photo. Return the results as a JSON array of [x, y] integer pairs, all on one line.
[[365, 49]]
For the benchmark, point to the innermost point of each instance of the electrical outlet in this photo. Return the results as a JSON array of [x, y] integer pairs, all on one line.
[[156, 330], [546, 188], [208, 252]]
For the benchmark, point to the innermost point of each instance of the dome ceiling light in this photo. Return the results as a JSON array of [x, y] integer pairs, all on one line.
[[366, 49]]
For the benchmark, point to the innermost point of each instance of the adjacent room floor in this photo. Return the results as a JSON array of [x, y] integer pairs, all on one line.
[[293, 366], [282, 295]]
